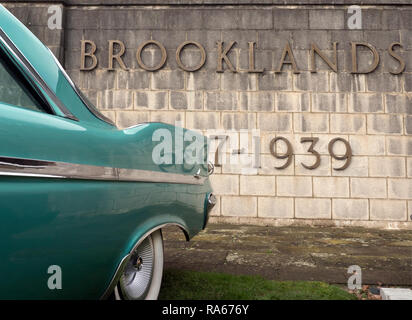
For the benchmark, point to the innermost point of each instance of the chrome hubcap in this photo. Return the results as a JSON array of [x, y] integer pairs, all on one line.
[[138, 263], [137, 275]]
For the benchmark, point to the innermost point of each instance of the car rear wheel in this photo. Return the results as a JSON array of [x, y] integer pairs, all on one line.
[[142, 276]]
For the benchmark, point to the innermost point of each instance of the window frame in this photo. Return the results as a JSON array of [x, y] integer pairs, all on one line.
[[36, 82], [25, 85], [93, 110]]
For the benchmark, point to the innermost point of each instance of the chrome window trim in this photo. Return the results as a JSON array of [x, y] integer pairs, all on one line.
[[22, 167], [97, 114], [28, 67]]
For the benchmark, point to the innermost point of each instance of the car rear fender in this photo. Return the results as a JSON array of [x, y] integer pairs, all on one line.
[[134, 245]]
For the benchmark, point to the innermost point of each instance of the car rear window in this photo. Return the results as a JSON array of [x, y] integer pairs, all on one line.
[[14, 89]]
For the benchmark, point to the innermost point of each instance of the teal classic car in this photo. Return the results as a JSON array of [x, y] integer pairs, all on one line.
[[82, 203]]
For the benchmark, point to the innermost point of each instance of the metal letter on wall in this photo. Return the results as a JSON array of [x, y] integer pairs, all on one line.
[[84, 54], [222, 55], [313, 141], [118, 55], [202, 58], [333, 65], [397, 57], [287, 51], [252, 68], [354, 57], [347, 156], [139, 55], [287, 155]]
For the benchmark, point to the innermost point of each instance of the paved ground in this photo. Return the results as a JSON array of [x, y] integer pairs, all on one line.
[[295, 253]]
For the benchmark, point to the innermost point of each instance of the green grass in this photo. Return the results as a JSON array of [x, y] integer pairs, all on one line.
[[191, 285]]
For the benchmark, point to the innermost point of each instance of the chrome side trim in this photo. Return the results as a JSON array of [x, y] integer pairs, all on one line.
[[125, 259], [63, 170], [156, 176]]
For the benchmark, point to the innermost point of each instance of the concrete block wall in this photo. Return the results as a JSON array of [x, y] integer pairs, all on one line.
[[373, 111]]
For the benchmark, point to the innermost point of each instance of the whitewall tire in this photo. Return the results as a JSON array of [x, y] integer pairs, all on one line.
[[142, 276]]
